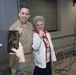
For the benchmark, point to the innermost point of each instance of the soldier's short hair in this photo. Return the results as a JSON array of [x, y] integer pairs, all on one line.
[[23, 5]]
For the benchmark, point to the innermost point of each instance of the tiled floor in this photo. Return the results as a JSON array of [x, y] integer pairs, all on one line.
[[68, 69]]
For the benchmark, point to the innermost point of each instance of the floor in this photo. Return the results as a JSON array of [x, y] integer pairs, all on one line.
[[65, 67]]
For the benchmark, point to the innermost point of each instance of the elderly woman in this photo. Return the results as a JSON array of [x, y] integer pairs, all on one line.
[[43, 51]]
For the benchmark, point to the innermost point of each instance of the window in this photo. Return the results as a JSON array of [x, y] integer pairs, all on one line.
[[46, 8]]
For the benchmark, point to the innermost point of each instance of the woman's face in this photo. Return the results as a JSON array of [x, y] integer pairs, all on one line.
[[40, 25]]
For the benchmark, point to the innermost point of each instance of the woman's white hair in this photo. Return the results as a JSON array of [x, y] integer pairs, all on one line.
[[38, 18]]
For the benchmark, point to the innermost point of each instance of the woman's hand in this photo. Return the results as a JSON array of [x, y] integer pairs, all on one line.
[[54, 63], [41, 33]]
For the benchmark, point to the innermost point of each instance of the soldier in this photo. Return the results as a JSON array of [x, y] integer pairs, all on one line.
[[25, 29]]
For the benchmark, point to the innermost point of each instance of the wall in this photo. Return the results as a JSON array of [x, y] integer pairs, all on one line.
[[8, 13], [64, 39]]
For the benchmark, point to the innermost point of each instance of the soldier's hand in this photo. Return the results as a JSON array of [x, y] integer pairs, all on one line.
[[19, 29]]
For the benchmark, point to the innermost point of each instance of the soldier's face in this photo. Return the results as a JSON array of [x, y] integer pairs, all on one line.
[[24, 15]]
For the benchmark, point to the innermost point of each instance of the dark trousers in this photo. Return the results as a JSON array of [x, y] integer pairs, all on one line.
[[45, 71]]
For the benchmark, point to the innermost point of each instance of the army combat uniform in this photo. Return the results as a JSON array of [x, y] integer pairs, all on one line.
[[25, 38]]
